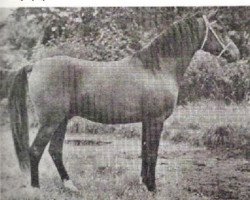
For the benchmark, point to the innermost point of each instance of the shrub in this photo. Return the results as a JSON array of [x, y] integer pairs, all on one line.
[[214, 78], [228, 138]]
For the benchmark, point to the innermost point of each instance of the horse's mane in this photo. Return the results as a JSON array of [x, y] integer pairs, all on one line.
[[178, 40]]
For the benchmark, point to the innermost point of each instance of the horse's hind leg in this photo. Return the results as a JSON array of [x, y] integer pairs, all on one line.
[[56, 153], [56, 149], [36, 150], [152, 129]]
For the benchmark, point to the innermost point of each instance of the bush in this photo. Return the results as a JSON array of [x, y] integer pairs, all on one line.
[[228, 138], [214, 78], [192, 137]]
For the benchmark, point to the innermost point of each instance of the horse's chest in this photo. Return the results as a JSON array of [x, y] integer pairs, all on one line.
[[160, 95]]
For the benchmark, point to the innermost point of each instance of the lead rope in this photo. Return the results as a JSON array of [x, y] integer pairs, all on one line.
[[207, 30], [224, 49], [209, 27]]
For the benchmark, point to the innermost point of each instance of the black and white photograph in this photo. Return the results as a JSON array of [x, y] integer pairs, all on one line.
[[128, 103]]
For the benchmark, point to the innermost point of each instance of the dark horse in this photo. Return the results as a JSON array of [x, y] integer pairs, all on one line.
[[139, 88]]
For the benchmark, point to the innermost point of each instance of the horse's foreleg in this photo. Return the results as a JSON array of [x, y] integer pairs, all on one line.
[[151, 137], [36, 150], [144, 167], [56, 149]]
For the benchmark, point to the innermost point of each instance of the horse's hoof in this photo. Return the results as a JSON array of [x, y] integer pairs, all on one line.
[[151, 186], [152, 189], [68, 184]]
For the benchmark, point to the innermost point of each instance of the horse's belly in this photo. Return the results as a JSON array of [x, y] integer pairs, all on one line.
[[111, 101], [129, 105], [111, 110]]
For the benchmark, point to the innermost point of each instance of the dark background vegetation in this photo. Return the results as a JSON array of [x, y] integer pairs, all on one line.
[[104, 34]]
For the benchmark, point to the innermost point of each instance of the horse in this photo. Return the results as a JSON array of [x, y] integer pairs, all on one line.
[[142, 87]]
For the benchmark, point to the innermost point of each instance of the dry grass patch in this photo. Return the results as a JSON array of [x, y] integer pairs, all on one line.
[[218, 179], [230, 139]]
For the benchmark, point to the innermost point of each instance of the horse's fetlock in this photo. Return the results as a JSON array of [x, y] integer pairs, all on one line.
[[35, 185]]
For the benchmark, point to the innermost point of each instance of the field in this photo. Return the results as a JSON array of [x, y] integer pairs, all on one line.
[[106, 163]]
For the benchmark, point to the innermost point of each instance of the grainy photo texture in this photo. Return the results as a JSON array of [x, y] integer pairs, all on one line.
[[125, 103]]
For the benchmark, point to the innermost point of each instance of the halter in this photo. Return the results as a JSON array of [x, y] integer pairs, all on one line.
[[209, 26]]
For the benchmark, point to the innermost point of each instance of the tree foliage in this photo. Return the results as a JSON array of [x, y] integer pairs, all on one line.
[[109, 33]]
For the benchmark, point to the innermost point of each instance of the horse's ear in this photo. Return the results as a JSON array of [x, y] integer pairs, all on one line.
[[212, 14]]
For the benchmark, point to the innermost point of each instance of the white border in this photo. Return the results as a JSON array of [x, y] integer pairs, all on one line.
[[105, 3]]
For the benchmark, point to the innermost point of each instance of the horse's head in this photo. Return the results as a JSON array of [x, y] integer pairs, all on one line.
[[216, 39]]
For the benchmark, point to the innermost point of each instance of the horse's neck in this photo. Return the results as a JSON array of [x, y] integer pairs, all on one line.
[[175, 67], [171, 56], [177, 64]]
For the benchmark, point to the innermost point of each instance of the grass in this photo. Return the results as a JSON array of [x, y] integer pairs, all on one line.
[[110, 168]]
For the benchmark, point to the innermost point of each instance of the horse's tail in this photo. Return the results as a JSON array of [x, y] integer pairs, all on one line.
[[19, 116]]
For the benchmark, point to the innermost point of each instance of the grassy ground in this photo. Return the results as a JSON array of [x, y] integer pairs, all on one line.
[[107, 166]]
